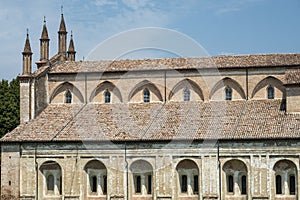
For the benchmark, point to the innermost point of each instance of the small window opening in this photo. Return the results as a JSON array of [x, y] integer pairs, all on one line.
[[183, 183], [94, 184], [146, 95], [244, 184], [196, 184], [270, 92], [107, 96], [292, 184], [104, 184], [228, 93], [149, 189], [68, 97], [186, 94], [278, 184], [138, 184], [230, 183], [50, 183]]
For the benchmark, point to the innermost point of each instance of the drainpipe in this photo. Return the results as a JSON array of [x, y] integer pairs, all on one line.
[[219, 166], [36, 176], [126, 167]]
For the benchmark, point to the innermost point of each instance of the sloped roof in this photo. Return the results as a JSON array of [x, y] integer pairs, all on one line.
[[231, 61], [252, 119], [292, 76]]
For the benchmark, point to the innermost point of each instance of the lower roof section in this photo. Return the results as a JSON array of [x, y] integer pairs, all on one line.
[[252, 119]]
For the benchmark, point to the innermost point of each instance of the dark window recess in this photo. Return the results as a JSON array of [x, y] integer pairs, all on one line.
[[50, 183], [244, 184], [107, 96], [186, 94], [270, 92], [138, 184], [94, 184], [230, 183], [278, 184], [146, 95], [149, 189], [292, 184], [104, 184], [183, 183], [196, 184], [68, 97], [228, 93]]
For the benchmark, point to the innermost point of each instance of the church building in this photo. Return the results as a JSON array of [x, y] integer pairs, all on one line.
[[207, 128]]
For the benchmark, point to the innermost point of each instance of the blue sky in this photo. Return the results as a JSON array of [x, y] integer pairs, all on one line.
[[220, 26]]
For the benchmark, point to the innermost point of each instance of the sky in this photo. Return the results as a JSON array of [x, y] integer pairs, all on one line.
[[221, 27]]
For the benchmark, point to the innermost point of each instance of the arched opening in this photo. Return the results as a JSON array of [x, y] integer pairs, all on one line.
[[188, 177], [142, 173], [233, 90], [106, 92], [139, 92], [190, 91], [236, 177], [52, 177], [66, 93], [272, 86], [285, 174], [96, 174]]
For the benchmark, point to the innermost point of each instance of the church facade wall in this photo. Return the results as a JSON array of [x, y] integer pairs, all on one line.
[[151, 170]]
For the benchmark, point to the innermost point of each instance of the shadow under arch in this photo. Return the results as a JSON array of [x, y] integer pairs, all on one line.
[[64, 87], [145, 84], [141, 166], [106, 85], [94, 164], [270, 80], [228, 82], [186, 83], [235, 165]]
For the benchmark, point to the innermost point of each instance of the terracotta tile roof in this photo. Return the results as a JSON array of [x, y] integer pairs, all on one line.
[[253, 119], [263, 60], [292, 76]]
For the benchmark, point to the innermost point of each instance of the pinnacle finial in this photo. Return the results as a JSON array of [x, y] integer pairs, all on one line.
[[27, 30], [71, 34], [62, 9], [44, 19]]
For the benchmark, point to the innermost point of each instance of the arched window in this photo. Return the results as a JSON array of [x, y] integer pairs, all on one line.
[[270, 90], [146, 95], [94, 183], [188, 177], [138, 184], [230, 183], [292, 185], [68, 97], [186, 94], [142, 173], [50, 182], [244, 185], [96, 178], [107, 96], [278, 184], [236, 177], [228, 93]]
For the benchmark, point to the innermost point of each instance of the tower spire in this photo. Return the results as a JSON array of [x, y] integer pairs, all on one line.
[[62, 38], [71, 50], [44, 44], [27, 56]]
